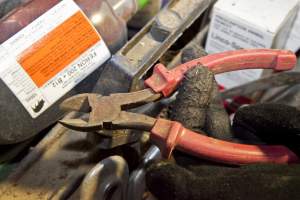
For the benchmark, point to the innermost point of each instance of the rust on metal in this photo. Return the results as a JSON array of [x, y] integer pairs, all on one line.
[[106, 111]]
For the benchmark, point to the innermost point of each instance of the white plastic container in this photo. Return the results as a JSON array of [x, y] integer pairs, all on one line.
[[240, 24]]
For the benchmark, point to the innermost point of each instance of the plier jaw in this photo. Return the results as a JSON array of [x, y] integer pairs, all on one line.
[[84, 103], [107, 112], [78, 103]]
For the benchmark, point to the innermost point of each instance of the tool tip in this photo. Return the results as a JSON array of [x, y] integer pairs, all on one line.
[[79, 103], [80, 125]]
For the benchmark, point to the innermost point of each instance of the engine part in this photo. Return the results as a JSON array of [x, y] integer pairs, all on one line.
[[66, 155], [19, 125], [106, 180], [56, 167], [127, 68]]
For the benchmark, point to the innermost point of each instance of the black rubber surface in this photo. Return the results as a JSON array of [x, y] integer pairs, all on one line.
[[253, 182], [271, 123], [199, 107], [193, 99]]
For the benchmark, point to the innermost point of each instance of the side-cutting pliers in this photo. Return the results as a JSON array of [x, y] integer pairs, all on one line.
[[108, 112]]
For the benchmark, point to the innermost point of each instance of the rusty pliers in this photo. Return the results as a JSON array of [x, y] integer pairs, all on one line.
[[108, 112]]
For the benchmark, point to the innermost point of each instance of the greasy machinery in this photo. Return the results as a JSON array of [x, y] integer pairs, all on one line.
[[66, 161]]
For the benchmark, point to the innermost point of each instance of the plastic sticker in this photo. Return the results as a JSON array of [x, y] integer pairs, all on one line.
[[50, 56]]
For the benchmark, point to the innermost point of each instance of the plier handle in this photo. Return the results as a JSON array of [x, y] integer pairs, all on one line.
[[166, 81], [108, 112]]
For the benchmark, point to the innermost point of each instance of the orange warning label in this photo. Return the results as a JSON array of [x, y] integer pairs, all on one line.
[[56, 50]]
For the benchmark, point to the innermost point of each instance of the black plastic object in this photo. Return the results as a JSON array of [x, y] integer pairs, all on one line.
[[269, 123], [259, 182]]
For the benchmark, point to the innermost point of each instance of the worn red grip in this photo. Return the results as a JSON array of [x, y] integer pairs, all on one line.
[[166, 81], [170, 134]]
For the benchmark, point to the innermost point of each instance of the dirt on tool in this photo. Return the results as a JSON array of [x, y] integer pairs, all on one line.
[[199, 106], [193, 99], [56, 166], [51, 165], [271, 181]]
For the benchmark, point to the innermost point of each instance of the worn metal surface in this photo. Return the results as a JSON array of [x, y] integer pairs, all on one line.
[[35, 176], [106, 112], [126, 69], [137, 183], [18, 123], [55, 167], [106, 180]]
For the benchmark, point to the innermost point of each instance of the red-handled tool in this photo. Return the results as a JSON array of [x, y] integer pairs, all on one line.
[[107, 112], [166, 81], [169, 134]]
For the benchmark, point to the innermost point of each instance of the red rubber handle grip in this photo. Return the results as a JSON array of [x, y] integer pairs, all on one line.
[[170, 134], [166, 81]]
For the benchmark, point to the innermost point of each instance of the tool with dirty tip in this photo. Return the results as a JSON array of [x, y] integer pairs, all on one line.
[[108, 112]]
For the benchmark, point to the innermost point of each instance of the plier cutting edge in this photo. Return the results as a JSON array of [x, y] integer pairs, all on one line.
[[108, 112]]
